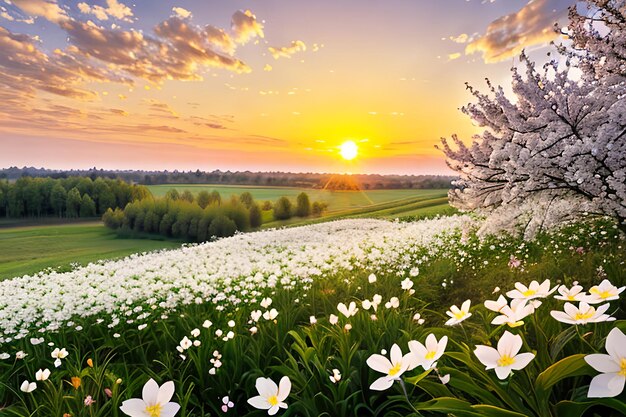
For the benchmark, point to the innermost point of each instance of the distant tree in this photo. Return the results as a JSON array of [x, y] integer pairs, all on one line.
[[303, 205], [256, 217], [165, 228], [73, 202], [222, 226], [282, 209], [203, 198], [216, 198], [106, 199], [187, 196], [246, 199], [172, 194], [113, 219], [267, 205], [87, 207], [318, 208], [4, 188], [33, 197], [58, 197]]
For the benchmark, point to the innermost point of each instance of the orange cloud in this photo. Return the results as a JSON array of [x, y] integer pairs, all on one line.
[[114, 9], [245, 26], [287, 51], [42, 8]]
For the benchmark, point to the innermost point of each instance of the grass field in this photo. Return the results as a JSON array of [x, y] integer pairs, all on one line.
[[336, 200], [26, 250]]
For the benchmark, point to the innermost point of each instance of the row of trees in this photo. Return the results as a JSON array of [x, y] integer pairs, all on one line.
[[67, 197], [558, 147], [202, 217], [284, 179]]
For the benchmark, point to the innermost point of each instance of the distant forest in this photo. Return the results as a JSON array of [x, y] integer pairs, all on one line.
[[285, 179]]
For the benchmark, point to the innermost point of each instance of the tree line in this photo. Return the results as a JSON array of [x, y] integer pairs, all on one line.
[[66, 197], [204, 216], [287, 179]]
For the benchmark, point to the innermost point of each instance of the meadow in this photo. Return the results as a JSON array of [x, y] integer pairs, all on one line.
[[319, 308]]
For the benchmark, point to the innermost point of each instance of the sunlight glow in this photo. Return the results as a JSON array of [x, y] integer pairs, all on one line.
[[348, 150]]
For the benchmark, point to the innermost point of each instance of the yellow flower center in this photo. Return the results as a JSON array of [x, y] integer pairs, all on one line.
[[396, 368], [571, 297], [506, 360], [584, 316], [529, 293], [622, 365], [459, 315], [516, 324], [273, 400], [154, 410], [430, 354]]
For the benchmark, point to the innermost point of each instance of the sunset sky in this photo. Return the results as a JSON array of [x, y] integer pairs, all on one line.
[[270, 85]]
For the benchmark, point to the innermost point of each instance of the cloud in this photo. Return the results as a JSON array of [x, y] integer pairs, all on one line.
[[42, 8], [452, 57], [114, 9], [508, 35], [245, 26], [267, 67], [182, 13], [462, 38], [287, 51]]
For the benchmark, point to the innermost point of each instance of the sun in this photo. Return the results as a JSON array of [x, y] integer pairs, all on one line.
[[348, 150]]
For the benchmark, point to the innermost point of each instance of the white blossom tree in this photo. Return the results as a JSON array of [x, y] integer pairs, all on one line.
[[557, 148]]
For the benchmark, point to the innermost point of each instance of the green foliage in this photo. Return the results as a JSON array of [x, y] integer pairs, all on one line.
[[246, 199], [73, 202], [256, 216], [283, 209], [222, 226], [303, 205], [87, 207], [203, 198]]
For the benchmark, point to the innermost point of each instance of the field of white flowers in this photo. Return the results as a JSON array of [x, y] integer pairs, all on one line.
[[355, 317]]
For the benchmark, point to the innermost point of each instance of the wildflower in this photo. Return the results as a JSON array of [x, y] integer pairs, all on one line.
[[333, 319], [226, 404], [28, 387], [312, 320], [445, 379], [393, 369], [42, 375], [185, 343], [576, 293], [155, 401], [253, 330], [256, 315], [108, 392], [394, 302], [207, 324], [89, 401], [426, 356], [376, 300], [21, 355], [458, 315], [418, 318], [90, 362], [514, 262], [266, 302], [371, 279], [59, 354], [76, 381], [195, 332], [270, 315], [610, 382], [583, 314], [271, 396], [496, 305], [34, 341], [347, 327], [231, 323], [514, 314], [366, 304], [406, 284], [4, 356], [506, 358], [336, 376], [604, 292], [347, 311], [415, 271], [534, 290]]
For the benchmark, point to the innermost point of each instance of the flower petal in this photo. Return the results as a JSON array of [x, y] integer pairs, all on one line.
[[606, 385], [509, 344], [562, 317], [150, 392], [396, 354], [616, 344], [266, 387], [284, 388], [259, 402], [382, 383], [134, 407], [487, 355], [170, 410], [503, 371], [379, 363], [522, 360], [602, 363], [165, 393]]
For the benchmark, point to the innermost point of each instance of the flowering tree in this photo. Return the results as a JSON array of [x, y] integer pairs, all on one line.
[[559, 147]]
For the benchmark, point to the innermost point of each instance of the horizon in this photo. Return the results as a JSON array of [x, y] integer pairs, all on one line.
[[243, 86]]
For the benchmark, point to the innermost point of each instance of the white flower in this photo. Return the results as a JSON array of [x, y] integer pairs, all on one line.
[[57, 363], [366, 304], [418, 318], [270, 314], [312, 320], [347, 311], [271, 396], [393, 369], [231, 323], [4, 356], [604, 292], [227, 403], [195, 332], [576, 293], [42, 375], [28, 386], [155, 401], [371, 278], [394, 302], [253, 329], [445, 379], [185, 343], [610, 382], [21, 355], [534, 290], [427, 355], [207, 324], [336, 376], [583, 314], [514, 314], [256, 315], [496, 305], [414, 271], [59, 353], [406, 284], [333, 319], [34, 341], [506, 358], [458, 315], [266, 302]]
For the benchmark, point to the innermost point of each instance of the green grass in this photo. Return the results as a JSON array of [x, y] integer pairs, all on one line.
[[336, 200], [26, 250]]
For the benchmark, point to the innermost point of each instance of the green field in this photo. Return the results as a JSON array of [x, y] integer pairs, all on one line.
[[26, 250], [336, 200]]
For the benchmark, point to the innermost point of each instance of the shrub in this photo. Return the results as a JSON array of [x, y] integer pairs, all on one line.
[[303, 205], [282, 209], [222, 226]]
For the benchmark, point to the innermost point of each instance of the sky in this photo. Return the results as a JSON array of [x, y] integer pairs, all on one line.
[[259, 85]]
